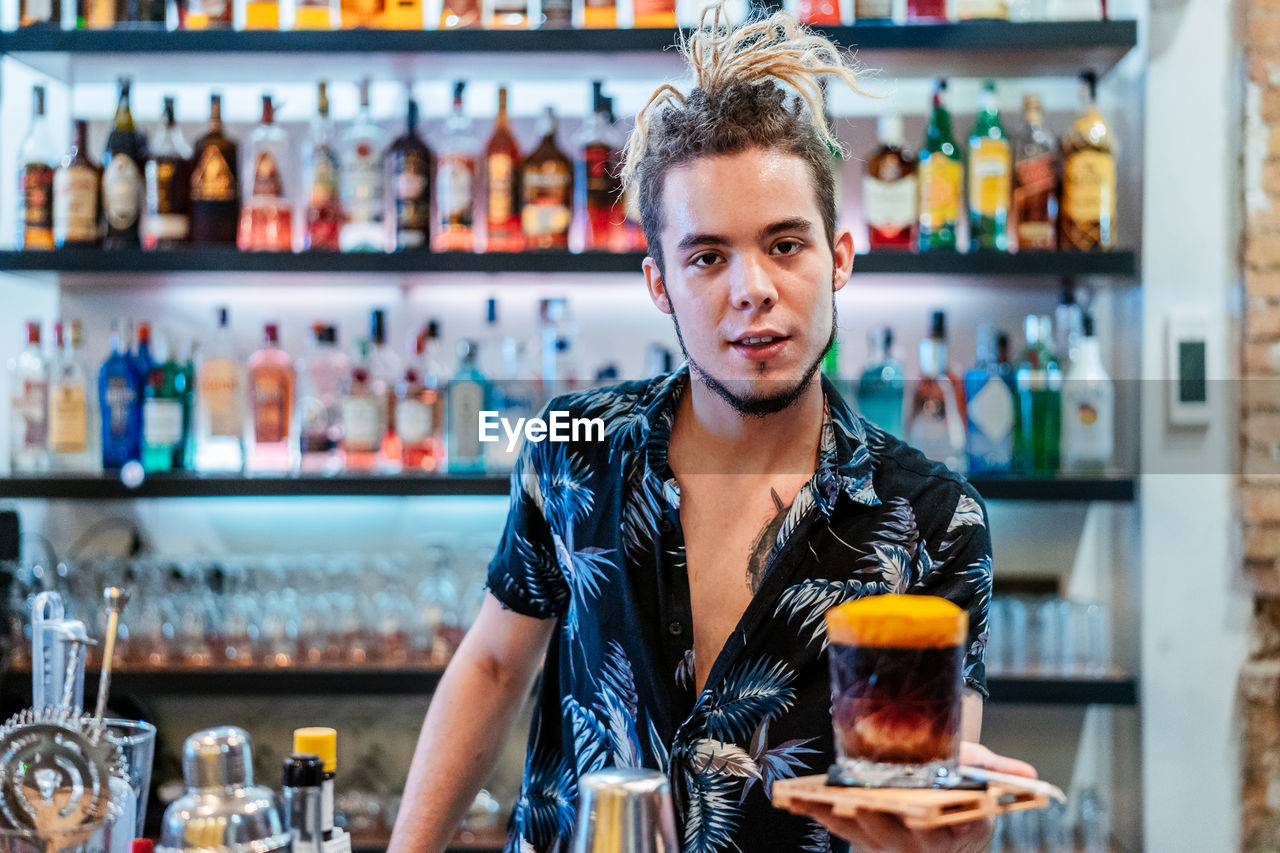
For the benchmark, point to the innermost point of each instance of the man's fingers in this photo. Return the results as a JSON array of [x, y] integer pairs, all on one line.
[[977, 755]]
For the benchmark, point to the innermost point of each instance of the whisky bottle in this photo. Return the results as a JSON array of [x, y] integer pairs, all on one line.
[[941, 180], [38, 158], [206, 14], [363, 13], [506, 14], [261, 14], [1035, 182], [460, 14], [596, 178], [546, 184], [215, 184], [317, 15], [168, 187], [1089, 178], [363, 186], [69, 409], [867, 11], [890, 189], [77, 187], [266, 218], [502, 184], [657, 14], [974, 10], [220, 403], [599, 14], [95, 14], [990, 177], [321, 171], [41, 13], [404, 15], [409, 166], [122, 184], [271, 387], [455, 200]]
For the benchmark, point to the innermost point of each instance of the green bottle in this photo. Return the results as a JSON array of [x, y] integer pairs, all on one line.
[[941, 179], [1038, 420], [166, 414], [990, 177]]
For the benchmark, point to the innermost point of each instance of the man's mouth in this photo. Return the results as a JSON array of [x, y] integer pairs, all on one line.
[[759, 346]]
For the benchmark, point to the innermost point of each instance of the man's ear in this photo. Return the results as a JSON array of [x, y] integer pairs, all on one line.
[[843, 258], [657, 287]]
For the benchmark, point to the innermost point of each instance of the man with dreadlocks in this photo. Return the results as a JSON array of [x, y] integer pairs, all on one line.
[[676, 574]]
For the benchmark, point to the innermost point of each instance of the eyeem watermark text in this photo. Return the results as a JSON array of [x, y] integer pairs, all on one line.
[[559, 427]]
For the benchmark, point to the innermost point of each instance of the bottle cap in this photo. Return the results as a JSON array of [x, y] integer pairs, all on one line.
[[303, 770], [144, 333], [938, 326], [320, 741], [33, 331], [378, 326], [1087, 325], [271, 333], [491, 312], [141, 845], [223, 317]]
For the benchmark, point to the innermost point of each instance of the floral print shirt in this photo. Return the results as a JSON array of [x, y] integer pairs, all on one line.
[[593, 540]]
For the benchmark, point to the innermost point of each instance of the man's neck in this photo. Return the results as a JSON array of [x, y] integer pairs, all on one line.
[[710, 436]]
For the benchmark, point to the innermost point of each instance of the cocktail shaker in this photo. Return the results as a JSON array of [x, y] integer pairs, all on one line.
[[625, 810]]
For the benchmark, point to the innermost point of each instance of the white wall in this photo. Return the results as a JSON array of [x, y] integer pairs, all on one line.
[[1195, 612]]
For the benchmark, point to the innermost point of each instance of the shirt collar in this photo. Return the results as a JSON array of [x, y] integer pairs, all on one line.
[[844, 460]]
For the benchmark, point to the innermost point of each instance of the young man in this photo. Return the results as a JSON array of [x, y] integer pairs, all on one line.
[[676, 574]]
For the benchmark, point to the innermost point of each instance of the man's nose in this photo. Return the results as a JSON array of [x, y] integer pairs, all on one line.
[[751, 285]]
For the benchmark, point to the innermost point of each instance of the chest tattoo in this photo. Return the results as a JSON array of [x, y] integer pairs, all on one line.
[[758, 559]]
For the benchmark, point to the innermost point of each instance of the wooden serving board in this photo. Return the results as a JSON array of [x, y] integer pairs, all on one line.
[[924, 808]]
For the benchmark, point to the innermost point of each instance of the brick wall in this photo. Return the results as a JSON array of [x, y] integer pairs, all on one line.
[[1260, 430]]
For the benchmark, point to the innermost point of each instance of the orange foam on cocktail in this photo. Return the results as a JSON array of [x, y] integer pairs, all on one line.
[[898, 621]]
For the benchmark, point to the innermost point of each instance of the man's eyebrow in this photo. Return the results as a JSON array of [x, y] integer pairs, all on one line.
[[689, 241], [796, 224]]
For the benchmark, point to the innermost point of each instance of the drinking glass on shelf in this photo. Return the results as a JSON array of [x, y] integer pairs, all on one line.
[[1017, 638], [998, 639], [1053, 618], [1092, 627], [1093, 825], [1055, 834]]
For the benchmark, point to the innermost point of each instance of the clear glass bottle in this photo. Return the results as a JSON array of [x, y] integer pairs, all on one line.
[[166, 400], [386, 367], [364, 418], [1038, 379], [468, 394], [166, 223], [37, 159], [890, 190], [118, 386], [324, 376], [502, 184], [507, 14], [409, 177], [1088, 409], [70, 403], [455, 182], [547, 190], [272, 445], [321, 171], [881, 383], [936, 418], [29, 405], [941, 180], [363, 189], [221, 392], [266, 219], [990, 177], [1034, 214], [41, 13], [596, 179], [989, 407], [420, 403], [77, 186]]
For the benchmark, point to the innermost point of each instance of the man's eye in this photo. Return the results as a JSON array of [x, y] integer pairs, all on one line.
[[787, 247], [706, 259]]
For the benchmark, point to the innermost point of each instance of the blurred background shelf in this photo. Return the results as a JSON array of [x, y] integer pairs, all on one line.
[[108, 487]]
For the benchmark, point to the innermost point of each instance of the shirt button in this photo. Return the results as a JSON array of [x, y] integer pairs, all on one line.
[[667, 526], [676, 629]]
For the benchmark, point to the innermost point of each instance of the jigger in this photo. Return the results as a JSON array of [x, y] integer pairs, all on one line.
[[625, 810]]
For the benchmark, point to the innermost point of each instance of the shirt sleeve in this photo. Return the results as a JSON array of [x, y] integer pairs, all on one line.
[[525, 574], [961, 572]]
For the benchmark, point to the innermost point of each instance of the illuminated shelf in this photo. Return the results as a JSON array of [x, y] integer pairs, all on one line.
[[107, 487]]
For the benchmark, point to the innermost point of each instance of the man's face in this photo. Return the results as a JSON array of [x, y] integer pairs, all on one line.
[[749, 276]]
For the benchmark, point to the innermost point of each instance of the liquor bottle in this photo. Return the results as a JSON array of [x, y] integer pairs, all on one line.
[[220, 403], [420, 414], [317, 15], [501, 184], [1039, 389], [364, 417], [168, 187], [363, 198], [507, 14], [936, 417], [363, 13], [29, 405], [323, 379], [207, 14], [1088, 409], [1075, 10], [118, 384], [1068, 324], [122, 186], [596, 180], [881, 384], [989, 406], [820, 13], [404, 15], [272, 446], [266, 218], [546, 183], [144, 359], [385, 369], [1089, 178], [656, 14], [460, 14], [468, 394], [409, 165], [974, 10], [69, 421], [599, 14], [1035, 182], [41, 13], [95, 14], [38, 158], [455, 182], [215, 184], [166, 400], [556, 15], [77, 186], [516, 393], [890, 190], [873, 11], [941, 180], [260, 14], [926, 11], [990, 177], [142, 14], [320, 175]]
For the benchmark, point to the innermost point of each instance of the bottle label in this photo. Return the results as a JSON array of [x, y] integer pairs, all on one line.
[[989, 181], [1087, 422], [873, 9], [270, 406], [363, 201], [28, 408], [454, 199], [501, 188], [75, 204], [547, 207], [360, 428], [213, 180], [120, 400], [266, 176], [990, 414], [940, 182], [413, 421], [38, 10], [162, 423], [971, 9], [602, 186], [37, 198], [891, 205], [68, 419], [324, 176], [220, 396], [1089, 187], [466, 399], [122, 192]]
